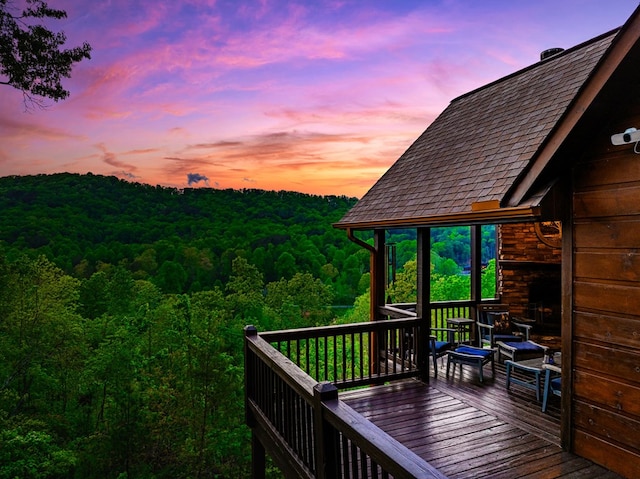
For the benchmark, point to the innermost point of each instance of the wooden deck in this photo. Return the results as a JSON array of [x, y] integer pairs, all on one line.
[[471, 430]]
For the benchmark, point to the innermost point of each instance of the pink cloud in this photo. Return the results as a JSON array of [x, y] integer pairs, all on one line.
[[21, 130], [111, 159]]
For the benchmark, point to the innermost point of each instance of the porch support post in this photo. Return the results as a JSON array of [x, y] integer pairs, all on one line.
[[377, 284], [378, 271], [423, 307], [326, 437], [476, 266], [567, 431], [258, 458], [258, 455]]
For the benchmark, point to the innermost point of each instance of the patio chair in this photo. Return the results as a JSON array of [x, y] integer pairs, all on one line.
[[471, 356], [552, 385], [520, 350], [496, 324], [439, 347]]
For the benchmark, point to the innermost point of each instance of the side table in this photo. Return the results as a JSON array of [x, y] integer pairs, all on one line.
[[529, 367], [463, 329]]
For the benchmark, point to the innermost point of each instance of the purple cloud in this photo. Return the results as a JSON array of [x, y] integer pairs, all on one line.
[[196, 178]]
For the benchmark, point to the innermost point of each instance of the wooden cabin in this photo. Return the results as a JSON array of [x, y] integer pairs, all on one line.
[[530, 152]]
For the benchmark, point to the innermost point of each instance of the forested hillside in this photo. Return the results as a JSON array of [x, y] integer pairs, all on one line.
[[181, 240], [122, 309]]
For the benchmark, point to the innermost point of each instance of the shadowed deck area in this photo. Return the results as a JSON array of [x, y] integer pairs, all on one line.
[[471, 430]]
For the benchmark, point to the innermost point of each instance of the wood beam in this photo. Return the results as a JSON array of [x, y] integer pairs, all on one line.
[[423, 307], [378, 273], [476, 263]]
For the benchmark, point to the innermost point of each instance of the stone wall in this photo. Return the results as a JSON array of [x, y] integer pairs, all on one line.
[[529, 275]]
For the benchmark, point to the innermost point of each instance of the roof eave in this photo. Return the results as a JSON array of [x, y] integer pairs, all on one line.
[[625, 40], [519, 214]]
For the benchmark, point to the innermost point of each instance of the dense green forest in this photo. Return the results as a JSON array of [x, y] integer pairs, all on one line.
[[182, 240], [122, 308]]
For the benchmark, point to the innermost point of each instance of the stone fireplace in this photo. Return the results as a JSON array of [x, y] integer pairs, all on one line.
[[529, 278]]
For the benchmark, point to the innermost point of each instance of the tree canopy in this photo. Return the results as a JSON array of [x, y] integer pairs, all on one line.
[[181, 240], [122, 309], [32, 57]]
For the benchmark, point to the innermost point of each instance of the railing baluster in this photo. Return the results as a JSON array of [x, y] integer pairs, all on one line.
[[360, 352], [317, 358], [335, 360], [345, 458], [353, 459], [352, 350], [343, 376], [364, 472]]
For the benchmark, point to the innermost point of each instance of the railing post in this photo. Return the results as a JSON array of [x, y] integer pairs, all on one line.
[[258, 458], [326, 438], [258, 463], [423, 305], [249, 374]]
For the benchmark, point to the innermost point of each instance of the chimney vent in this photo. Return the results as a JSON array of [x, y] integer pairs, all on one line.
[[550, 52]]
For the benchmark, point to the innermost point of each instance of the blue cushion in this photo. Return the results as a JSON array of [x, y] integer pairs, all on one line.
[[441, 346], [474, 352], [525, 346]]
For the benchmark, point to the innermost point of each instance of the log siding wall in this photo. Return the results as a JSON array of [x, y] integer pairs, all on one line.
[[606, 308]]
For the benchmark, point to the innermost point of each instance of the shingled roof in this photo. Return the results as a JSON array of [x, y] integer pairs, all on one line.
[[472, 156]]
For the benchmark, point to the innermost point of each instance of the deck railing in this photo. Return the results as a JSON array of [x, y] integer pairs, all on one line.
[[351, 355], [443, 310], [308, 431], [292, 380], [440, 311]]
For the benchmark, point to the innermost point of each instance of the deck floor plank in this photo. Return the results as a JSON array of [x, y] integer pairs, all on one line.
[[468, 429]]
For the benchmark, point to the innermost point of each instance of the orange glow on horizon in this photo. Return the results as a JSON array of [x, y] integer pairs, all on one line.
[[318, 97]]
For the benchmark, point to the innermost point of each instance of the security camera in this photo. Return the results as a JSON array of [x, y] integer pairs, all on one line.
[[630, 135]]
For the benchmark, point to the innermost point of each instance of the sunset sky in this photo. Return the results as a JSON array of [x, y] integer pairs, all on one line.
[[317, 96]]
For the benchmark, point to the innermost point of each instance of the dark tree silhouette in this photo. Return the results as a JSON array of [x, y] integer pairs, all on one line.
[[32, 59]]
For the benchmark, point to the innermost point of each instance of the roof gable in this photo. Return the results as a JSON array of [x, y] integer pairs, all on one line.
[[481, 143]]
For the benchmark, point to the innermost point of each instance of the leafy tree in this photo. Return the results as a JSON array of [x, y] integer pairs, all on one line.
[[302, 300], [39, 323], [447, 267], [450, 288], [217, 439], [171, 277], [29, 452], [285, 265], [244, 290], [489, 280], [360, 312], [404, 289], [31, 58]]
